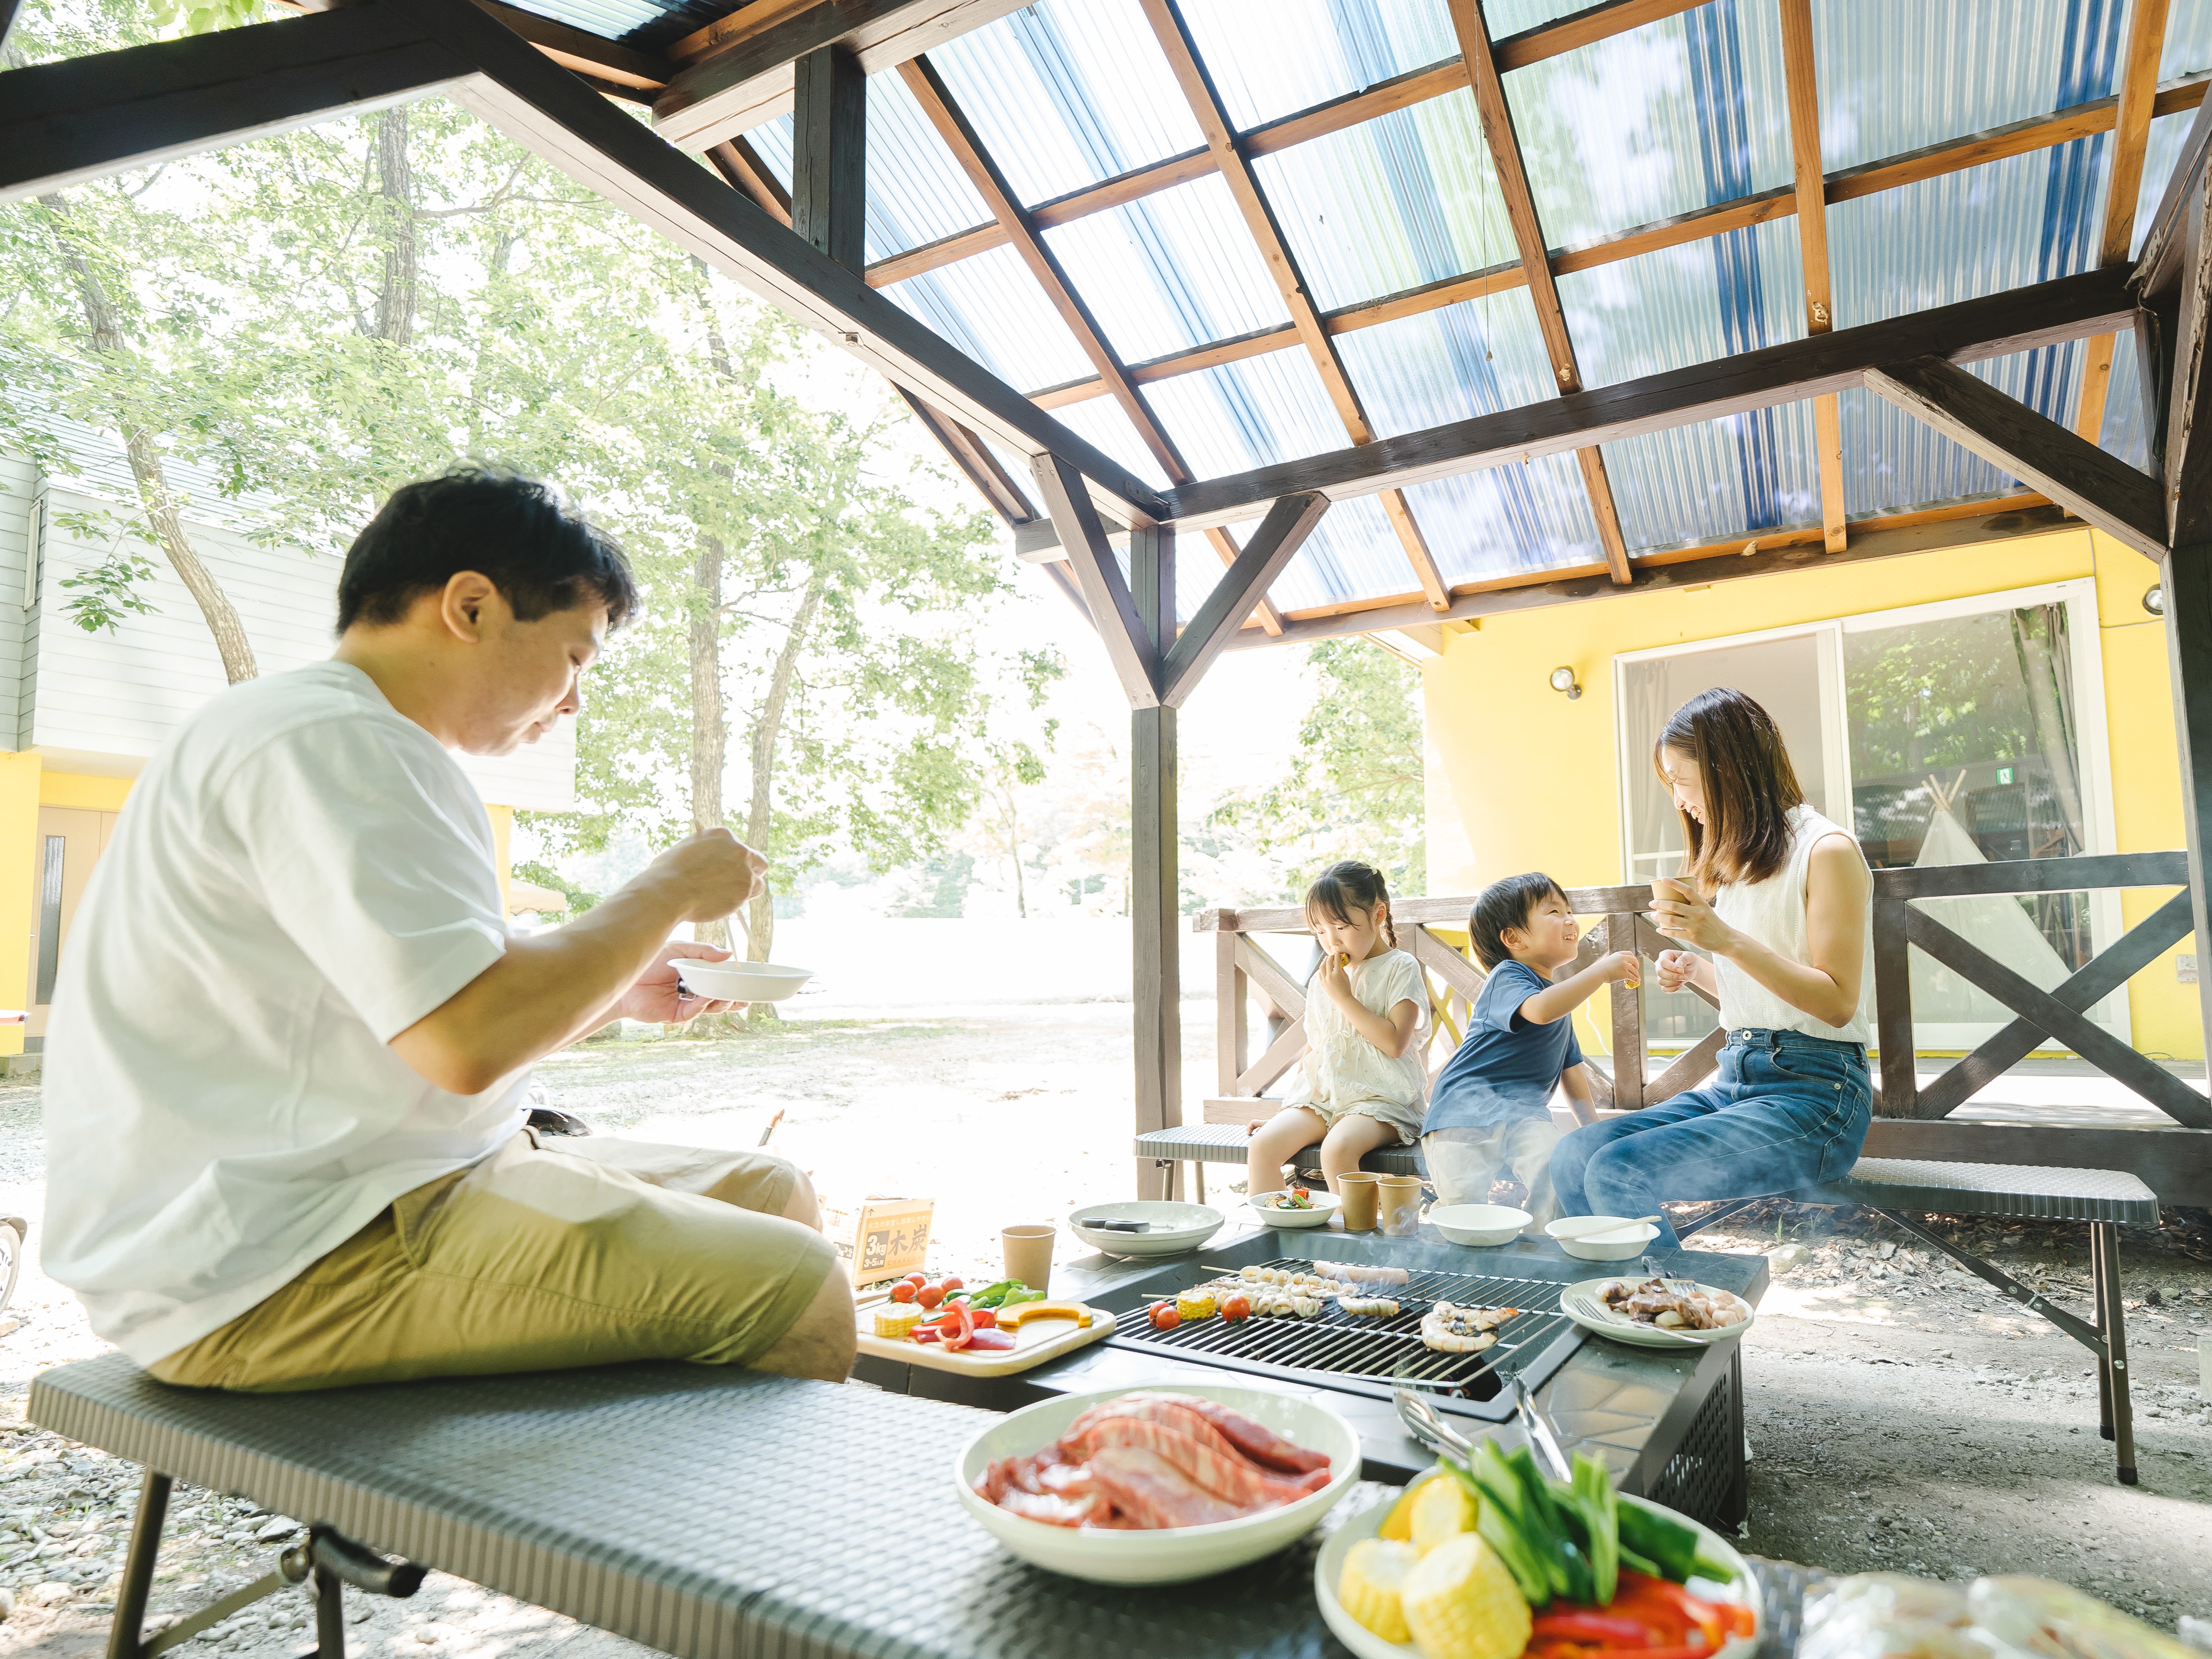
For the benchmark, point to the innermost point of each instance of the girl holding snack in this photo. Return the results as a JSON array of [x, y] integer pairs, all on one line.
[[1772, 909], [1362, 1083]]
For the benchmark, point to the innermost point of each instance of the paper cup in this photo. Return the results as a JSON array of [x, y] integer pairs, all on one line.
[[1400, 1206], [1029, 1254], [1361, 1195]]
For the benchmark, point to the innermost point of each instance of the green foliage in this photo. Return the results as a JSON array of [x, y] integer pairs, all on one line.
[[202, 16], [107, 593], [1355, 789], [544, 875]]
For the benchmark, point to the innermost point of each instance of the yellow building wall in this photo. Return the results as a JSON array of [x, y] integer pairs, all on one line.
[[502, 835], [74, 789], [1520, 778]]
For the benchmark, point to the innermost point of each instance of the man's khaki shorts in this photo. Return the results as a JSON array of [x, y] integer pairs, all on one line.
[[537, 1259]]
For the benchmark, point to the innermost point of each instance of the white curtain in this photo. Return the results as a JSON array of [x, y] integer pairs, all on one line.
[[1996, 922]]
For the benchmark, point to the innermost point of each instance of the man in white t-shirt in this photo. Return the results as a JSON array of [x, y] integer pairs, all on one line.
[[291, 1038]]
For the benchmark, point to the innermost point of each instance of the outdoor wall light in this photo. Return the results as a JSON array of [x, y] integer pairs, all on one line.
[[1563, 679], [2155, 598]]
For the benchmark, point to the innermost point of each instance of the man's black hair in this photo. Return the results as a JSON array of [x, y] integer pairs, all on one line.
[[1505, 904], [521, 533]]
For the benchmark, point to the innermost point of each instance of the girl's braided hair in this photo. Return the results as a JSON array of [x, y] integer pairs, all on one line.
[[1349, 886]]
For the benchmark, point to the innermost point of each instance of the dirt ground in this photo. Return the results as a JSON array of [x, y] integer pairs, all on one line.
[[1901, 1414]]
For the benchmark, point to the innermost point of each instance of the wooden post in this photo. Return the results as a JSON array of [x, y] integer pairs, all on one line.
[[1232, 1027], [1893, 1010], [829, 154], [1627, 1021], [2186, 573], [1154, 878]]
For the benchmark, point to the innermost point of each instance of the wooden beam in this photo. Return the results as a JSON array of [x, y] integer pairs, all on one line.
[[585, 54], [937, 104], [1496, 116], [552, 112], [2071, 470], [1803, 86], [2138, 92], [1199, 92], [739, 162], [747, 78], [1098, 576], [1995, 325], [80, 117], [1583, 29], [1156, 980], [830, 154], [974, 460], [1271, 548], [1871, 538]]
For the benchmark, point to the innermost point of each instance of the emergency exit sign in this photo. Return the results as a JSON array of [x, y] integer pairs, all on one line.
[[2004, 775]]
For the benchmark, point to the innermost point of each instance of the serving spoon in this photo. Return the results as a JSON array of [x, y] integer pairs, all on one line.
[[1594, 1224]]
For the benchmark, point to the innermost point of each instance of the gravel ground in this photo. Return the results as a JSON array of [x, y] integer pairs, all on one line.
[[1901, 1414]]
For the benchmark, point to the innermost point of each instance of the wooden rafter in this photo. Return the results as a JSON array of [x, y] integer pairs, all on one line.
[[2138, 94], [1198, 91], [1272, 546], [1804, 93], [739, 162], [1097, 574], [1479, 58]]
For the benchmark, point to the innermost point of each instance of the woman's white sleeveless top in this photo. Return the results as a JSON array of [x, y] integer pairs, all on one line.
[[1773, 913]]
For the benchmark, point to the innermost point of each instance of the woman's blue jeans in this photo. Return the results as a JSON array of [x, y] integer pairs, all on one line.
[[1785, 1110]]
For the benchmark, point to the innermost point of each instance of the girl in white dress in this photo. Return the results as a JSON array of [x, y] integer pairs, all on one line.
[[1362, 1084]]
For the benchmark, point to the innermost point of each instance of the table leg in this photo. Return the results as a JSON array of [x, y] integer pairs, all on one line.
[[2115, 1324], [127, 1633]]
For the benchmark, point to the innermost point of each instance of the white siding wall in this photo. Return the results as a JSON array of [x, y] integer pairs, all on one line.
[[106, 701], [19, 482]]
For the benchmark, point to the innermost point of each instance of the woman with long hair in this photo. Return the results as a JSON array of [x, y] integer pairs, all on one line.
[[1776, 897]]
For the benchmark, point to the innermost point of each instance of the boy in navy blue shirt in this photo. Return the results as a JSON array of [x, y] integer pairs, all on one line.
[[1490, 1110]]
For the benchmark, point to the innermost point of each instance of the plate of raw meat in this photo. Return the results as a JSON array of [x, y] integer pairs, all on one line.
[[1157, 1486]]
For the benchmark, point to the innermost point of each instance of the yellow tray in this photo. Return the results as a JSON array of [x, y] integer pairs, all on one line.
[[1034, 1344]]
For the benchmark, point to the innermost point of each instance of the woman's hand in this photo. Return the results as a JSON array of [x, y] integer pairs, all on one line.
[[1336, 982], [1675, 968], [1679, 914]]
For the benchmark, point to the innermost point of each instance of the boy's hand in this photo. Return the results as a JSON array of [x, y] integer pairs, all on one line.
[[1621, 966], [1675, 968], [1335, 982]]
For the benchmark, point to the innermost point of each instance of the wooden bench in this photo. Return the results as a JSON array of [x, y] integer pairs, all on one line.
[[2105, 1200], [1200, 1144]]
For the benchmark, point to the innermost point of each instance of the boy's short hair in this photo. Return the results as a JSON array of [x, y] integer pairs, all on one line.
[[1505, 904], [522, 534]]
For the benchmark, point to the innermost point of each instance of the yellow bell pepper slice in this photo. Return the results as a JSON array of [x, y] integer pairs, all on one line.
[[1024, 1312]]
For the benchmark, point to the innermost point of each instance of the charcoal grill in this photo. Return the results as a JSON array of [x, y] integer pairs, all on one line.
[[1368, 1355]]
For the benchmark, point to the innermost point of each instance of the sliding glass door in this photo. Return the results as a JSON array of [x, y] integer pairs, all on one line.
[[1947, 734]]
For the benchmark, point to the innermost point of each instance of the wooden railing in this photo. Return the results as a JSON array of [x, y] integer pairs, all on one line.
[[1908, 1116]]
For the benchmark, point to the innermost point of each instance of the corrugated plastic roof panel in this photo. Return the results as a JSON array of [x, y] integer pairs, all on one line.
[[992, 308], [1691, 304], [1894, 464], [1407, 198], [1250, 414], [610, 20], [1677, 115], [1508, 521], [1173, 270], [1027, 84], [1353, 554], [1718, 480], [1474, 358], [1272, 57], [1102, 421]]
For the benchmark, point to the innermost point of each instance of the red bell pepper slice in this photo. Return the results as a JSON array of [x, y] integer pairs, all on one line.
[[1606, 1629], [956, 1340]]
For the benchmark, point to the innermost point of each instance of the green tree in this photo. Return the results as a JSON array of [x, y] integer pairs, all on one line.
[[1355, 786]]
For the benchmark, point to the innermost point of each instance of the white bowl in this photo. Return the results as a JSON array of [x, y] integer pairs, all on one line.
[[739, 981], [1176, 1227], [1328, 1568], [1479, 1224], [1628, 1240], [1106, 1555], [1324, 1206]]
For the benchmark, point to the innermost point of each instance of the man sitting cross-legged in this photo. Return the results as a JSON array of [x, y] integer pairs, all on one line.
[[292, 1037]]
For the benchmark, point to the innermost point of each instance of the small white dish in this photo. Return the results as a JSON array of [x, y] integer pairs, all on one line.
[[1328, 1567], [1324, 1206], [1172, 1555], [1481, 1225], [1584, 1303], [1624, 1243], [1175, 1228], [739, 981]]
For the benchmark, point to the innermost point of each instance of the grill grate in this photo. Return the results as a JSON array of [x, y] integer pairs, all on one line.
[[1382, 1353]]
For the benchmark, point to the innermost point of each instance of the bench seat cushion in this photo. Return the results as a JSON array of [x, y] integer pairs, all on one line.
[[1225, 1143], [2020, 1191]]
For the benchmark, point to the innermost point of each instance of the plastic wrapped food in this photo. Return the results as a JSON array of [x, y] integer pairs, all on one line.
[[2056, 1621], [1879, 1615]]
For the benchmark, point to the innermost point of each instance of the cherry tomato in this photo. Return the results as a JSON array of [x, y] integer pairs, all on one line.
[[930, 1294], [984, 1319], [903, 1291], [1165, 1316], [951, 1283], [1236, 1307], [917, 1279]]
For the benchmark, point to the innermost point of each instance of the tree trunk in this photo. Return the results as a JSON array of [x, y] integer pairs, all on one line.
[[1014, 848], [395, 299], [710, 730], [106, 325], [760, 915]]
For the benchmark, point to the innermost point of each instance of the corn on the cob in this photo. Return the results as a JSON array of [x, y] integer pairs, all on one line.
[[1461, 1603], [1194, 1304], [1398, 1525], [1442, 1508], [895, 1322], [1372, 1583]]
